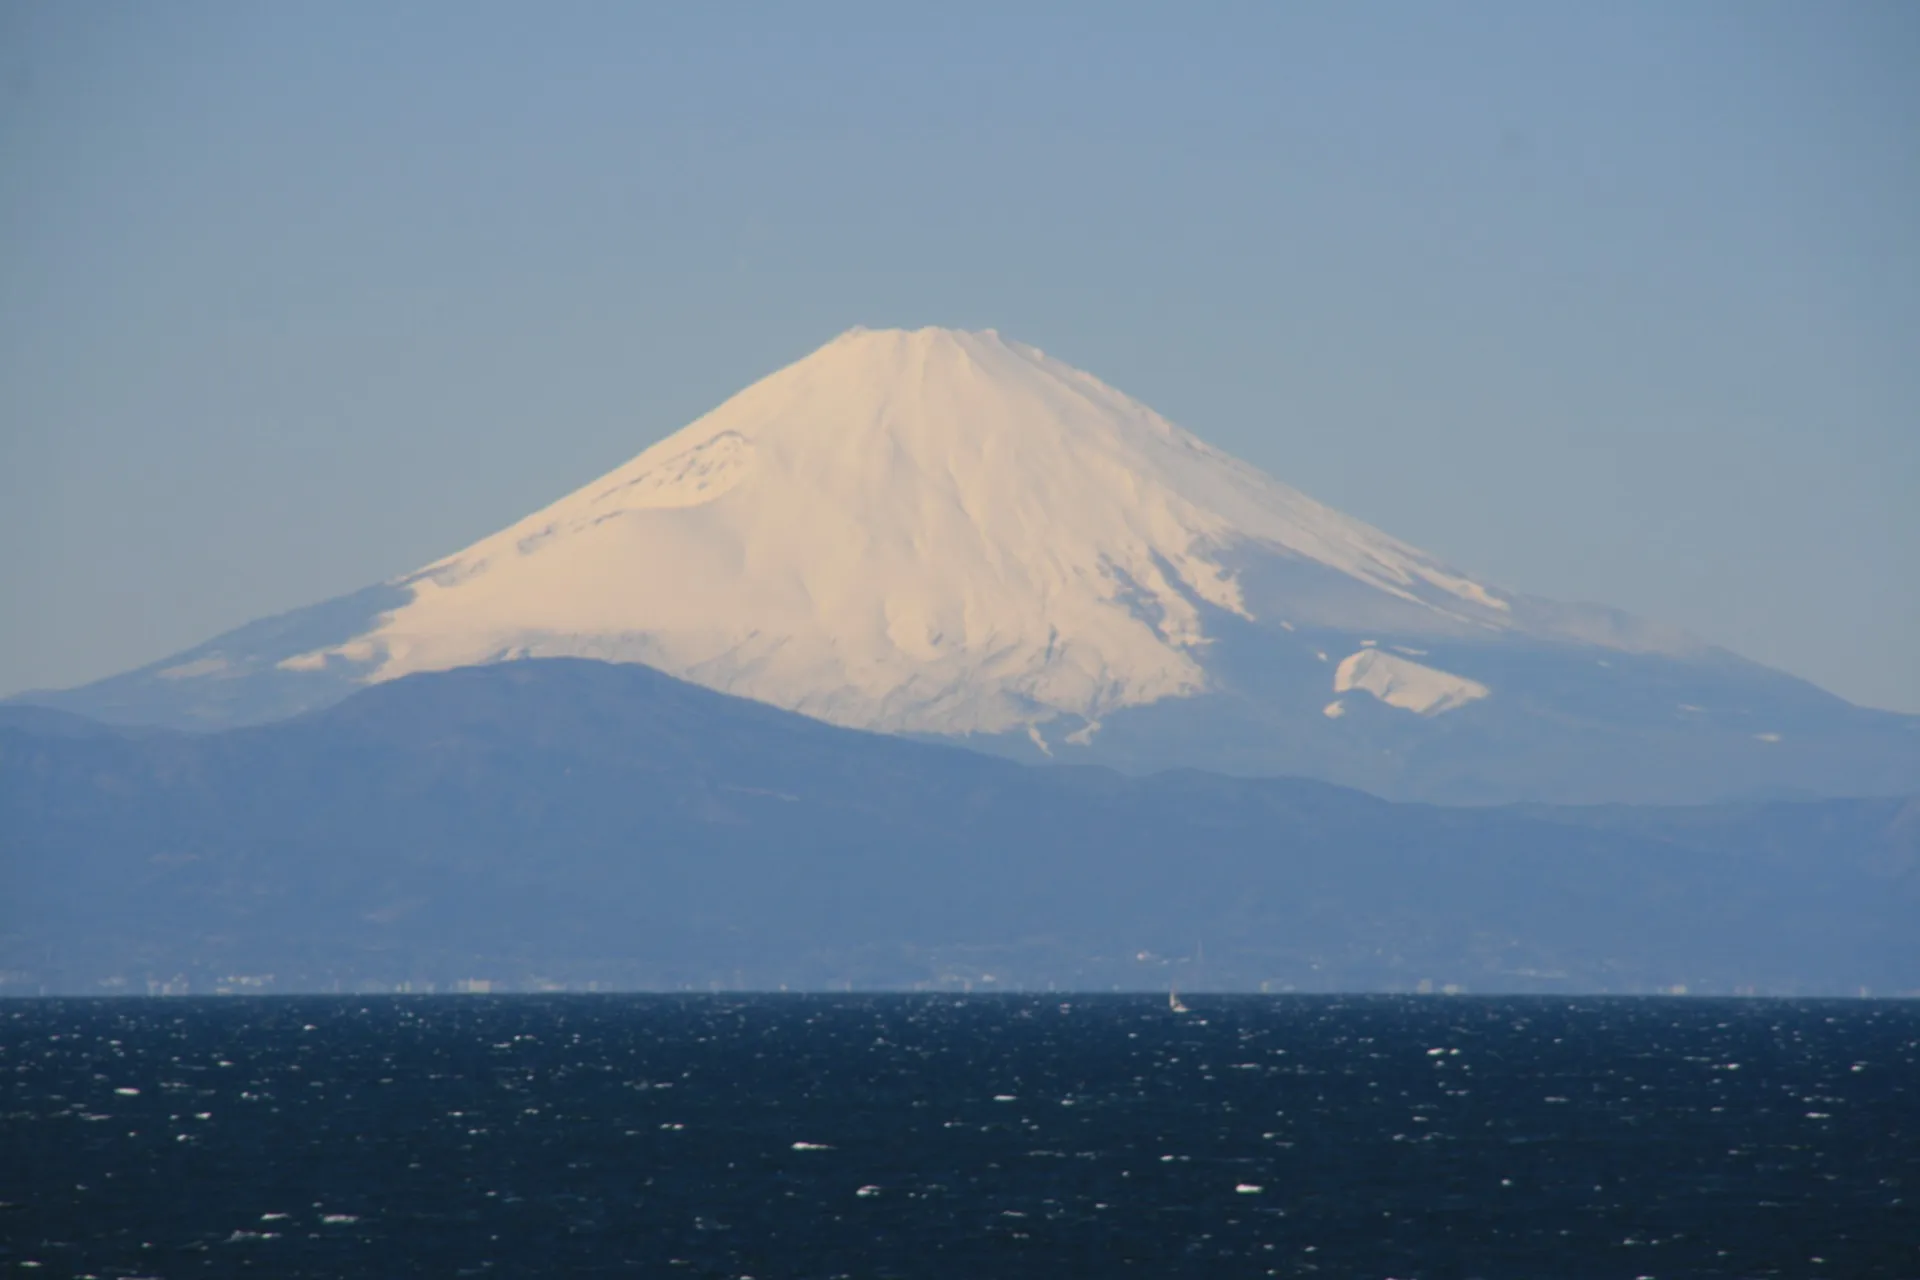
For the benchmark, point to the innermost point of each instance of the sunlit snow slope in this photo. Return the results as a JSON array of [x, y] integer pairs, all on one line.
[[951, 534], [931, 530]]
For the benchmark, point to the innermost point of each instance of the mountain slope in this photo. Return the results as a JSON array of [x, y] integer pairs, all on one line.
[[579, 821], [933, 531], [950, 534]]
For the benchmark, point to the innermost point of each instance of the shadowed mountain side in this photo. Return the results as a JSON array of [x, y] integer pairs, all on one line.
[[575, 821], [1567, 724], [238, 677]]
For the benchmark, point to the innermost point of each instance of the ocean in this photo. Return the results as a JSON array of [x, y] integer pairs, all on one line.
[[959, 1136]]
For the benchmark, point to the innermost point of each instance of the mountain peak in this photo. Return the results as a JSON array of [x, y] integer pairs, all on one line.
[[934, 530], [929, 529], [952, 533], [925, 336]]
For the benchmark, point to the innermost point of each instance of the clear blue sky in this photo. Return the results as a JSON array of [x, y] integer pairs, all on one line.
[[1604, 301]]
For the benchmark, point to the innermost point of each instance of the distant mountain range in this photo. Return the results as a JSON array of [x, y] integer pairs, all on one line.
[[951, 535], [575, 822]]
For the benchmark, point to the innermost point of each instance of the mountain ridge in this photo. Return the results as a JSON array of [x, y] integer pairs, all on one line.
[[571, 821], [950, 534]]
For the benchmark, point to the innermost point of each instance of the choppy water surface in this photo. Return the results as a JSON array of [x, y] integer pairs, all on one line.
[[897, 1136]]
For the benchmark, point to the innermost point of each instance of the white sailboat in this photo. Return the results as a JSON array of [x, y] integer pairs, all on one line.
[[1173, 1001]]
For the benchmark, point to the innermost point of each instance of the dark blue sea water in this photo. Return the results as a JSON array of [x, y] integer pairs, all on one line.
[[901, 1136]]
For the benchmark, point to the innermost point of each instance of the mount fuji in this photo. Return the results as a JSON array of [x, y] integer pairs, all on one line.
[[952, 535]]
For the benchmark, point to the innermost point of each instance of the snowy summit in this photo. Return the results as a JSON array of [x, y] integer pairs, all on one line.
[[933, 530], [952, 534]]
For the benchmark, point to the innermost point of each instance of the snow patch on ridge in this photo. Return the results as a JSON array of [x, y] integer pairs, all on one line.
[[1402, 682]]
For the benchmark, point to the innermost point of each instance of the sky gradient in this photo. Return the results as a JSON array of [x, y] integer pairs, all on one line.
[[1615, 303]]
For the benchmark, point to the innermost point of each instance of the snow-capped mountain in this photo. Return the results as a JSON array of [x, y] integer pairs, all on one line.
[[950, 533], [934, 531]]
